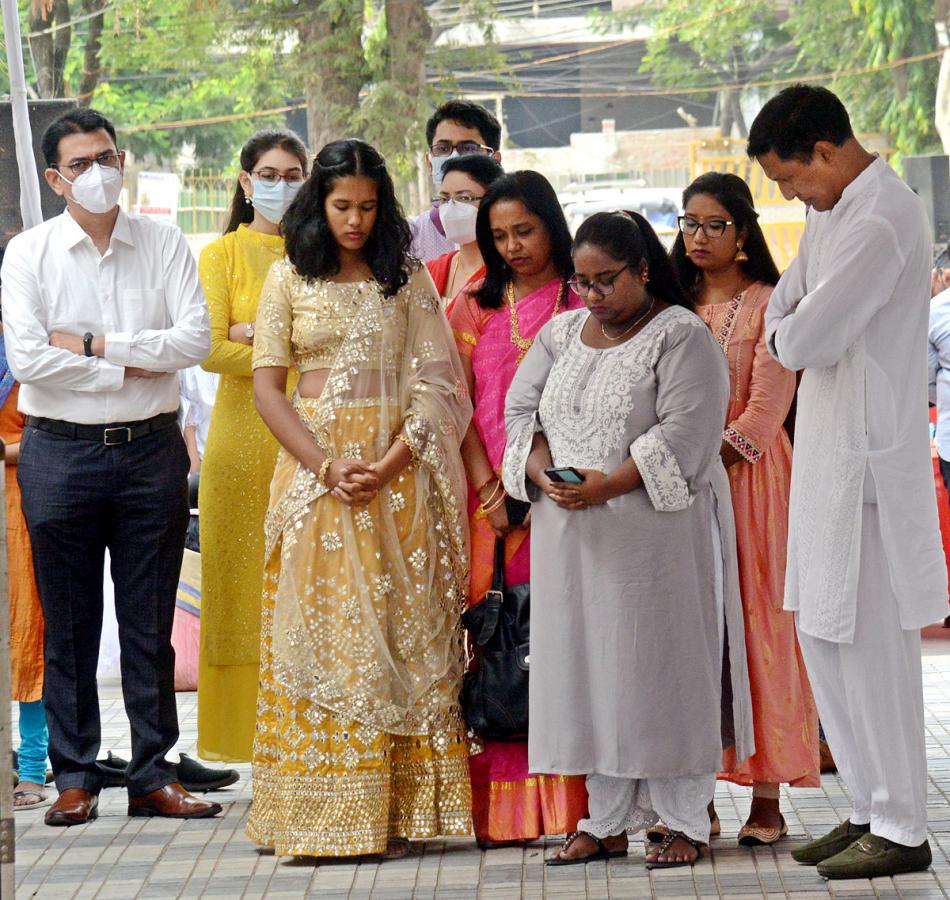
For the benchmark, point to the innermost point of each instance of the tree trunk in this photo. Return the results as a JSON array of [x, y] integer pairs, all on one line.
[[91, 68], [730, 114], [408, 33], [48, 51], [334, 68]]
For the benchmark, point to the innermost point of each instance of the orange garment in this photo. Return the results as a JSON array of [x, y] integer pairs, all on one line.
[[783, 710], [26, 614]]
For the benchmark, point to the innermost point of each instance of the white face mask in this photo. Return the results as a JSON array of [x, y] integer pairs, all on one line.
[[98, 189], [438, 162], [273, 199], [458, 221]]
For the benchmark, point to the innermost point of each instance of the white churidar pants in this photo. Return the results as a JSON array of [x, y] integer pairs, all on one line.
[[870, 700], [634, 804]]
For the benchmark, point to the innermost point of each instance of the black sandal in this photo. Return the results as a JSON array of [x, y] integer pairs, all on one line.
[[602, 851], [667, 843]]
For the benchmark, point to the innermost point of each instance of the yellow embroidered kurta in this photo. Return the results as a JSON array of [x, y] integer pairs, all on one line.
[[235, 479], [360, 737]]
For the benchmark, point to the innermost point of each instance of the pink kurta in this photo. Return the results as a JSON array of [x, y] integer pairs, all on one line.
[[784, 714]]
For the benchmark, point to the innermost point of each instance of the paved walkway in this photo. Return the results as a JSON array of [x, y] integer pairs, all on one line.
[[118, 857]]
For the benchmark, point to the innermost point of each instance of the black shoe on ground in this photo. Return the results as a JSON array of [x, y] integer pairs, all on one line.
[[196, 778]]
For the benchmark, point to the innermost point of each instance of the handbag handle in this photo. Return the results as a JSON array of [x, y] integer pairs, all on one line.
[[494, 597]]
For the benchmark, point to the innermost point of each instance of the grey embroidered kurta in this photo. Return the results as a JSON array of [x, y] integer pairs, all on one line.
[[628, 597]]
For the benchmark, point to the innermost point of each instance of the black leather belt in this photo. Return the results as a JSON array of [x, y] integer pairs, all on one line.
[[110, 435]]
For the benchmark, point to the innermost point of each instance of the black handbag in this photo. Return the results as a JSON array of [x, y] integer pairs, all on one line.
[[495, 692]]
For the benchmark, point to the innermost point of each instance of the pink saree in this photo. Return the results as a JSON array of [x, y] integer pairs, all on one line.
[[508, 802]]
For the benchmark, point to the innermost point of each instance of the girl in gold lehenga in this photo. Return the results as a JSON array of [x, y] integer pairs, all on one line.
[[360, 743]]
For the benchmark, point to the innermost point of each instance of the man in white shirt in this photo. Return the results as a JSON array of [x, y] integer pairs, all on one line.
[[865, 563], [457, 128], [100, 310], [938, 358]]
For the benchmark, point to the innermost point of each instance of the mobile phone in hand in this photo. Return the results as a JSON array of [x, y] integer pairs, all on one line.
[[565, 474]]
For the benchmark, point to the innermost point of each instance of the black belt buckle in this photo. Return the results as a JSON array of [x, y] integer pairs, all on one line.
[[125, 439]]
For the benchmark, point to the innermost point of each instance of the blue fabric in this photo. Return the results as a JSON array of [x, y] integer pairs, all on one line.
[[34, 739], [7, 380]]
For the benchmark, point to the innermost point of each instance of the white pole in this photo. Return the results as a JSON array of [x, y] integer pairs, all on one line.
[[31, 213], [30, 210]]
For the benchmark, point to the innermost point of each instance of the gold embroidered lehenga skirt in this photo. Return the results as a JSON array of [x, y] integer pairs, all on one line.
[[331, 776]]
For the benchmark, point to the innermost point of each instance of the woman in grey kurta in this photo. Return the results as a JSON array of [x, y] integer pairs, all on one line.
[[633, 574]]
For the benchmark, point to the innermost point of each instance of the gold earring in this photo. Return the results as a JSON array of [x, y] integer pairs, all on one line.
[[741, 256]]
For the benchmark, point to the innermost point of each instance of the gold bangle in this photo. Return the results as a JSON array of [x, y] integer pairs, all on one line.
[[490, 509], [493, 495], [324, 469]]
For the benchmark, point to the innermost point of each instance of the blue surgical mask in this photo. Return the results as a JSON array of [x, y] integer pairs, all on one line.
[[437, 164], [272, 199]]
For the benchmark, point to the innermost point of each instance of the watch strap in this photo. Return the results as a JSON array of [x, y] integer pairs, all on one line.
[[87, 343]]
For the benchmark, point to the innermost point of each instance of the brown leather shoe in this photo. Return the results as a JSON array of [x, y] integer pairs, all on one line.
[[172, 802], [74, 806]]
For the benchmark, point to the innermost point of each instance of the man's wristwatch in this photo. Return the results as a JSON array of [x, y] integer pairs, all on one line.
[[249, 331], [87, 343]]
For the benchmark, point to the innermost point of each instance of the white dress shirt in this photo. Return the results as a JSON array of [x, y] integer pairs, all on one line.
[[143, 294], [852, 310], [938, 355], [198, 391]]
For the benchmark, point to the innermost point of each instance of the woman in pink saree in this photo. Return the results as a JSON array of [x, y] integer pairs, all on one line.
[[526, 245]]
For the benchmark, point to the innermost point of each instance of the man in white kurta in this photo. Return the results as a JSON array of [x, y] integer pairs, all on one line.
[[865, 563]]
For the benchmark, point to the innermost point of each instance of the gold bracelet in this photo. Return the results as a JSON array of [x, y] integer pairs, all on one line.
[[490, 509], [492, 495], [324, 469]]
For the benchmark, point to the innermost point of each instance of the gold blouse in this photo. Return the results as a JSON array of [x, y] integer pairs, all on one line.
[[301, 323]]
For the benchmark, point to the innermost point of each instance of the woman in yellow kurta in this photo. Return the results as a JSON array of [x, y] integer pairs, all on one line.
[[360, 742], [240, 452]]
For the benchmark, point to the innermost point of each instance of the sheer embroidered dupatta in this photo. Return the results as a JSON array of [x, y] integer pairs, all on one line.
[[368, 601]]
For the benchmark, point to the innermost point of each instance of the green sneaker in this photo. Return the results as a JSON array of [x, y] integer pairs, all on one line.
[[872, 856], [836, 840]]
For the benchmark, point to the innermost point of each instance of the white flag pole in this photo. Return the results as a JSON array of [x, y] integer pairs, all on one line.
[[30, 210]]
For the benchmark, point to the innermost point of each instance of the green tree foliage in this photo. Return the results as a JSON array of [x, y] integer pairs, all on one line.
[[709, 42], [875, 33]]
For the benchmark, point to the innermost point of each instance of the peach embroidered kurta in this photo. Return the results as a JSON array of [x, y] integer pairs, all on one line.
[[761, 392]]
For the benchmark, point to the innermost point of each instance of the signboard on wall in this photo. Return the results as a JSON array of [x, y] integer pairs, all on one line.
[[158, 195]]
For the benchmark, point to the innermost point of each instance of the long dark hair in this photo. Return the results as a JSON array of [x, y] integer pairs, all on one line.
[[628, 237], [536, 193], [257, 145], [310, 244], [733, 195]]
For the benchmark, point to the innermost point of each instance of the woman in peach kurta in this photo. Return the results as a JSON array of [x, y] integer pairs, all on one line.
[[722, 255]]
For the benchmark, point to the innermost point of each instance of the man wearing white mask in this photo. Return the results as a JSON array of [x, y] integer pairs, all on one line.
[[457, 128], [101, 309]]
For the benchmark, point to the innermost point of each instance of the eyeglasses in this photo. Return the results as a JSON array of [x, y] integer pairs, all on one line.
[[604, 287], [465, 148], [109, 160], [714, 228], [470, 199], [272, 176]]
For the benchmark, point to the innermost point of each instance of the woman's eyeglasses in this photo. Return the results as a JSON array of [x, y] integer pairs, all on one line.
[[470, 199], [714, 228], [272, 176], [604, 286]]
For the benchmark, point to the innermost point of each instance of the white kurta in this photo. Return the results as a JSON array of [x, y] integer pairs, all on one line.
[[852, 310]]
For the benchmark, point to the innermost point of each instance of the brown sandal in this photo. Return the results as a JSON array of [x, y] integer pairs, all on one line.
[[667, 843], [602, 851]]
